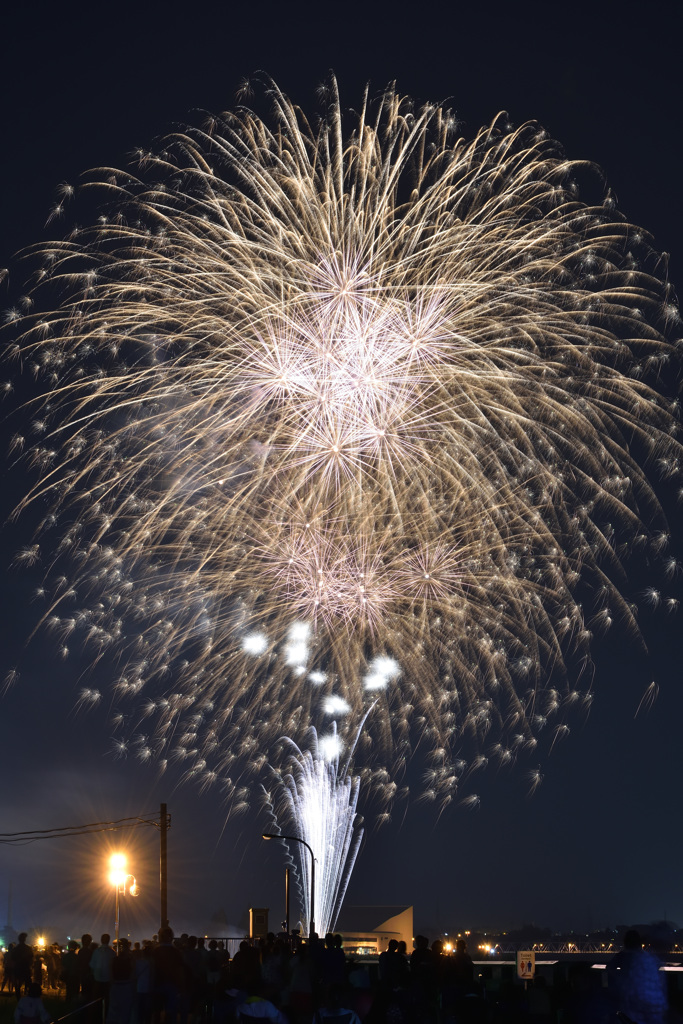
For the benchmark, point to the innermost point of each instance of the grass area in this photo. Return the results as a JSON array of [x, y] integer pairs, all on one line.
[[52, 1001]]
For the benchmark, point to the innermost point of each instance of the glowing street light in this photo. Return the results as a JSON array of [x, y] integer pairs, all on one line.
[[295, 839], [123, 883], [117, 869]]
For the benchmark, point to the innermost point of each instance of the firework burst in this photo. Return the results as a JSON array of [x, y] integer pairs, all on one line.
[[406, 390]]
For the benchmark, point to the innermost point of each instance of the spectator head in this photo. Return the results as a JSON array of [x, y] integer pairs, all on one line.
[[632, 939], [335, 997]]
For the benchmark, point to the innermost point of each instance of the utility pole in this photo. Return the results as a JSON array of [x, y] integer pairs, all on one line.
[[163, 865]]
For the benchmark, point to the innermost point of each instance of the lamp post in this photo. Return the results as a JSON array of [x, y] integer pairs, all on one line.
[[295, 839], [123, 883]]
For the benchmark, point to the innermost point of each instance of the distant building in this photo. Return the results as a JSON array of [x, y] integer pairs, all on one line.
[[258, 922], [369, 929]]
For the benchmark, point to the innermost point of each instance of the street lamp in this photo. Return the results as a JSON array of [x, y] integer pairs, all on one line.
[[295, 839], [123, 883]]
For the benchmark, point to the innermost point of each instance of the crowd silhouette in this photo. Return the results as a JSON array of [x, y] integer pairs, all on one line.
[[282, 980]]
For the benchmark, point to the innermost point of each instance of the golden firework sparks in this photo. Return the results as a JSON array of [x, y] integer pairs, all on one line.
[[403, 389]]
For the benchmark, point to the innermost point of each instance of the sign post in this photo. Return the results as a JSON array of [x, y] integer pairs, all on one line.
[[526, 965]]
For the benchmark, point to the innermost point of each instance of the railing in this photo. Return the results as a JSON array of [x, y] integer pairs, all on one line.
[[79, 1009]]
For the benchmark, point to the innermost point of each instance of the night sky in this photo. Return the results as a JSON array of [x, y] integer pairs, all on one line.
[[599, 843]]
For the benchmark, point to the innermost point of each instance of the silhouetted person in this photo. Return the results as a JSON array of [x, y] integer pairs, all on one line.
[[421, 957], [53, 962], [121, 991], [168, 970], [637, 982], [195, 971], [71, 975], [39, 969], [301, 984], [333, 1010], [144, 984], [586, 1001], [333, 962], [391, 966], [539, 1002], [22, 963], [214, 963], [245, 969], [8, 969], [84, 955], [100, 965], [463, 968], [257, 1008], [362, 996], [274, 967], [30, 1009], [422, 967]]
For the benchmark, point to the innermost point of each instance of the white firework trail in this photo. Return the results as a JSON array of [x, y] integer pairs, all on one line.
[[316, 802]]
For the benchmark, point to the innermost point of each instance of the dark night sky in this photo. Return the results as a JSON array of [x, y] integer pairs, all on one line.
[[599, 843]]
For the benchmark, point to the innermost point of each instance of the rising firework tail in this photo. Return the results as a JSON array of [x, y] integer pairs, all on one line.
[[345, 413], [315, 798]]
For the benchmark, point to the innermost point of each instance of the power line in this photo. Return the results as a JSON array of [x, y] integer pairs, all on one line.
[[24, 838]]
